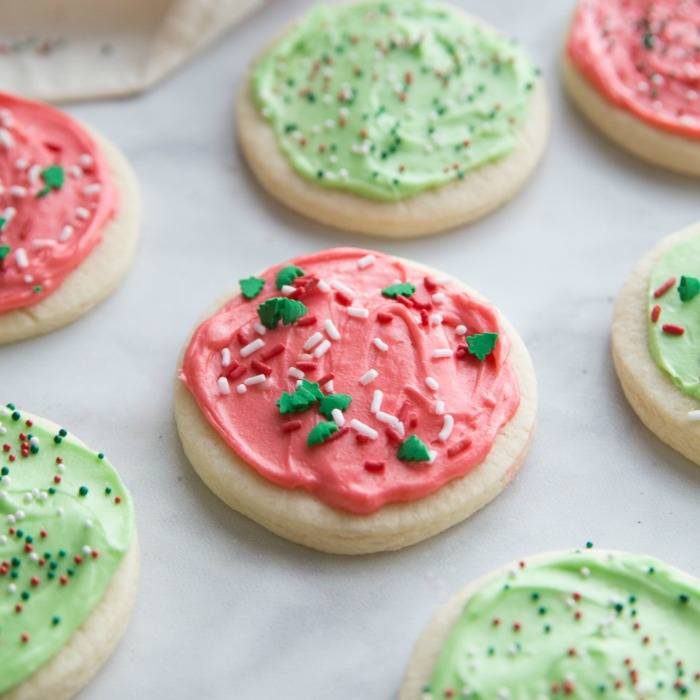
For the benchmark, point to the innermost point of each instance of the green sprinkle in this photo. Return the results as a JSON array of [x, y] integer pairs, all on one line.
[[589, 545], [100, 455], [683, 599], [287, 275], [277, 309], [320, 433], [4, 251], [481, 345], [53, 178], [413, 449], [305, 396], [251, 287], [3, 222], [55, 620], [328, 403], [405, 289], [688, 288], [83, 491]]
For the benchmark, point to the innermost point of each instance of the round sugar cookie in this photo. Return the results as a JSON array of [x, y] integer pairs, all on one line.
[[392, 119], [656, 341], [355, 402], [632, 67], [68, 559], [69, 218], [583, 624]]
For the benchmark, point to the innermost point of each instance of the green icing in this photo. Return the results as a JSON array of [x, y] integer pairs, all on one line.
[[523, 635], [677, 355], [49, 513], [388, 99]]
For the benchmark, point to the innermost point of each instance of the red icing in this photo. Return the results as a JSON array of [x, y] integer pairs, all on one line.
[[34, 136], [644, 56], [481, 396]]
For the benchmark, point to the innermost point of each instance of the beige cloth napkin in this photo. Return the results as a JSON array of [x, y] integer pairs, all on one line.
[[60, 50]]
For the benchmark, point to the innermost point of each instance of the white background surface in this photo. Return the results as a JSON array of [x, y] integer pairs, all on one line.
[[227, 610]]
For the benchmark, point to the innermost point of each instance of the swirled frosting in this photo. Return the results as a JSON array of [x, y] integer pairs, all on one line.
[[578, 625], [421, 406], [66, 522], [56, 196], [643, 56], [386, 100]]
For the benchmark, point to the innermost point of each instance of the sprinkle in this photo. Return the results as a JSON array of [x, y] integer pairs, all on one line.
[[291, 426], [223, 385], [377, 399], [255, 379], [261, 367], [259, 328], [273, 351], [225, 357], [672, 329], [331, 330], [384, 318], [21, 258], [364, 429], [82, 213], [296, 373], [18, 191], [252, 347], [324, 286], [287, 289], [322, 349], [66, 233], [313, 341], [436, 319], [241, 388], [93, 188], [358, 312], [447, 425], [461, 329], [380, 344], [432, 383], [338, 417], [374, 466], [347, 291], [655, 313], [369, 376], [439, 297], [668, 284], [440, 353], [365, 262], [439, 407], [6, 139]]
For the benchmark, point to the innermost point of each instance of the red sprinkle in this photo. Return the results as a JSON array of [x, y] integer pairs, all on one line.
[[261, 367], [306, 321], [458, 447], [361, 439], [406, 301], [672, 329], [241, 337], [430, 284], [655, 313], [337, 434], [306, 365], [236, 371], [374, 466], [273, 351], [668, 284], [343, 299], [326, 378], [393, 436], [424, 318], [291, 426], [384, 317]]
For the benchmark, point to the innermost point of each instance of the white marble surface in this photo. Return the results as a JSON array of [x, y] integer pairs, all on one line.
[[227, 610]]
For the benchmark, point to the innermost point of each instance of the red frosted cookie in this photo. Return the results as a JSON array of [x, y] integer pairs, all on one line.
[[355, 402]]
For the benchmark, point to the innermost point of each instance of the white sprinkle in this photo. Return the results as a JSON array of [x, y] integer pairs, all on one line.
[[322, 349], [295, 372], [432, 456], [28, 279], [260, 329], [332, 331], [241, 388], [387, 418], [75, 171], [21, 164], [338, 417], [329, 386], [358, 312], [252, 347], [225, 357], [6, 139], [255, 379], [6, 118], [9, 214], [365, 262], [439, 407], [93, 188], [432, 383], [440, 353], [461, 329], [82, 213], [18, 191], [40, 243], [585, 571], [87, 549], [369, 376], [33, 174], [448, 423], [439, 297], [21, 258], [66, 233], [694, 415], [376, 401], [324, 286], [436, 319], [305, 356], [364, 429], [85, 160], [287, 289], [380, 344], [223, 385], [343, 288], [60, 512], [313, 340]]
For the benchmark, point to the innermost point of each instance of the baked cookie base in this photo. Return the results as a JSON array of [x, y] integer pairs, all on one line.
[[429, 212], [676, 153], [300, 517], [72, 668], [99, 274], [655, 399]]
